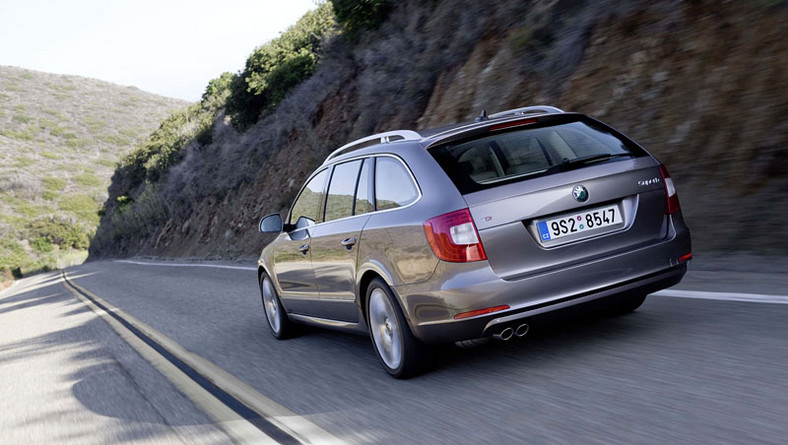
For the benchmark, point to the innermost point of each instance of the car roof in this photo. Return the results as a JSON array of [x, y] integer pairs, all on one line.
[[431, 136]]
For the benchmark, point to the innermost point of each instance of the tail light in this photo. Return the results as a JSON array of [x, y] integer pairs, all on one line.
[[453, 237], [670, 191]]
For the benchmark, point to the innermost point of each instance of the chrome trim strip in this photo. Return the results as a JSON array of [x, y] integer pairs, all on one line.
[[376, 155], [323, 321]]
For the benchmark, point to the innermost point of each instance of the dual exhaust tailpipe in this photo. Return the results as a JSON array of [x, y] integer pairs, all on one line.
[[508, 332]]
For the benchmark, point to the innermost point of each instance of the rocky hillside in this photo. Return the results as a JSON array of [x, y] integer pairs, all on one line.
[[60, 140], [702, 84]]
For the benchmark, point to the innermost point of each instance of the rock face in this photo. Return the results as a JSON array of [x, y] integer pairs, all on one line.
[[702, 84]]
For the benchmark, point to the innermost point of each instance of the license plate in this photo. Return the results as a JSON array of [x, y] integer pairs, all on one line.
[[579, 222]]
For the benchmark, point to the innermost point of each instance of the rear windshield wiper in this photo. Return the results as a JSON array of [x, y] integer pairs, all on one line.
[[570, 164]]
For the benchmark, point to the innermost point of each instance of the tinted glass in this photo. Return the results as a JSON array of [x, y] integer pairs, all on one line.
[[308, 202], [393, 185], [364, 202], [339, 201], [534, 151]]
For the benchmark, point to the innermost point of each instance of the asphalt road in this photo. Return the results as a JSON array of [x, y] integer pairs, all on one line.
[[66, 377], [678, 370]]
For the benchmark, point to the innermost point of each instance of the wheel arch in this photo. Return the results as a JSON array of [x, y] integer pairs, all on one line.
[[366, 278], [363, 285]]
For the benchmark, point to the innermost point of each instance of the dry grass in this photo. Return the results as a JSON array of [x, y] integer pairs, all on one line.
[[60, 140]]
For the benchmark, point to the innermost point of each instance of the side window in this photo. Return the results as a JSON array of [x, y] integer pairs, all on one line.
[[393, 185], [307, 205], [339, 201], [364, 202]]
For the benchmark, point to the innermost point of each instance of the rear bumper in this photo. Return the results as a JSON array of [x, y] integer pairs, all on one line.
[[471, 286]]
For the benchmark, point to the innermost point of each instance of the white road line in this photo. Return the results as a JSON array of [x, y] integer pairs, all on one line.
[[701, 295], [724, 296], [215, 266], [243, 432]]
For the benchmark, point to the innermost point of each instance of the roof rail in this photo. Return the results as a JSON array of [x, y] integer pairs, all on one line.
[[383, 138], [534, 109]]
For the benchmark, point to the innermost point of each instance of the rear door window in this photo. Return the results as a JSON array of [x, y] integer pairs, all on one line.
[[339, 200], [364, 201]]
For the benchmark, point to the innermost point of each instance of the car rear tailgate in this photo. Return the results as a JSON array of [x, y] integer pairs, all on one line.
[[507, 216]]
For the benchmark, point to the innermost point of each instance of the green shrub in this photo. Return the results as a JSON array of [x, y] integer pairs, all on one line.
[[58, 131], [123, 201], [13, 256], [54, 184], [54, 230], [29, 209], [83, 206], [217, 90], [24, 161], [276, 67], [163, 148], [88, 180], [28, 133], [52, 112], [358, 15], [41, 245], [49, 155], [22, 118], [76, 143], [106, 163], [113, 139]]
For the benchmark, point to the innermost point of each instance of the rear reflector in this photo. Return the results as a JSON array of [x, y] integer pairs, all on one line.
[[488, 310], [453, 237], [670, 191], [686, 257], [513, 124]]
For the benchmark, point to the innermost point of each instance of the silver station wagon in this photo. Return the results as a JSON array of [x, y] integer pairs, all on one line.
[[470, 231]]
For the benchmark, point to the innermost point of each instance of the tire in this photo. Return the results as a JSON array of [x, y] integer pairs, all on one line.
[[629, 305], [400, 353], [281, 325]]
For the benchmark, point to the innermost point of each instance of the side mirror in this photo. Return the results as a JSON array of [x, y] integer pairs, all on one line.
[[271, 223], [303, 221]]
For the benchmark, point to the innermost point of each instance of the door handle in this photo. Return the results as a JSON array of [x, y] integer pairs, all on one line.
[[304, 249], [348, 243]]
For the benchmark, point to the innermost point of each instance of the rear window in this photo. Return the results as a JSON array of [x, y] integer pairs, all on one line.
[[520, 154]]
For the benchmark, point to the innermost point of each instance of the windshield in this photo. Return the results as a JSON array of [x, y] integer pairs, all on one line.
[[525, 153]]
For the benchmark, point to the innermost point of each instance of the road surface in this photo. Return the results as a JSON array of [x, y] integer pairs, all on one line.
[[680, 370]]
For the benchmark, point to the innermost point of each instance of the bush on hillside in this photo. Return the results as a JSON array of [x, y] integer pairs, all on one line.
[[12, 258], [358, 15], [163, 148], [276, 67], [54, 230]]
